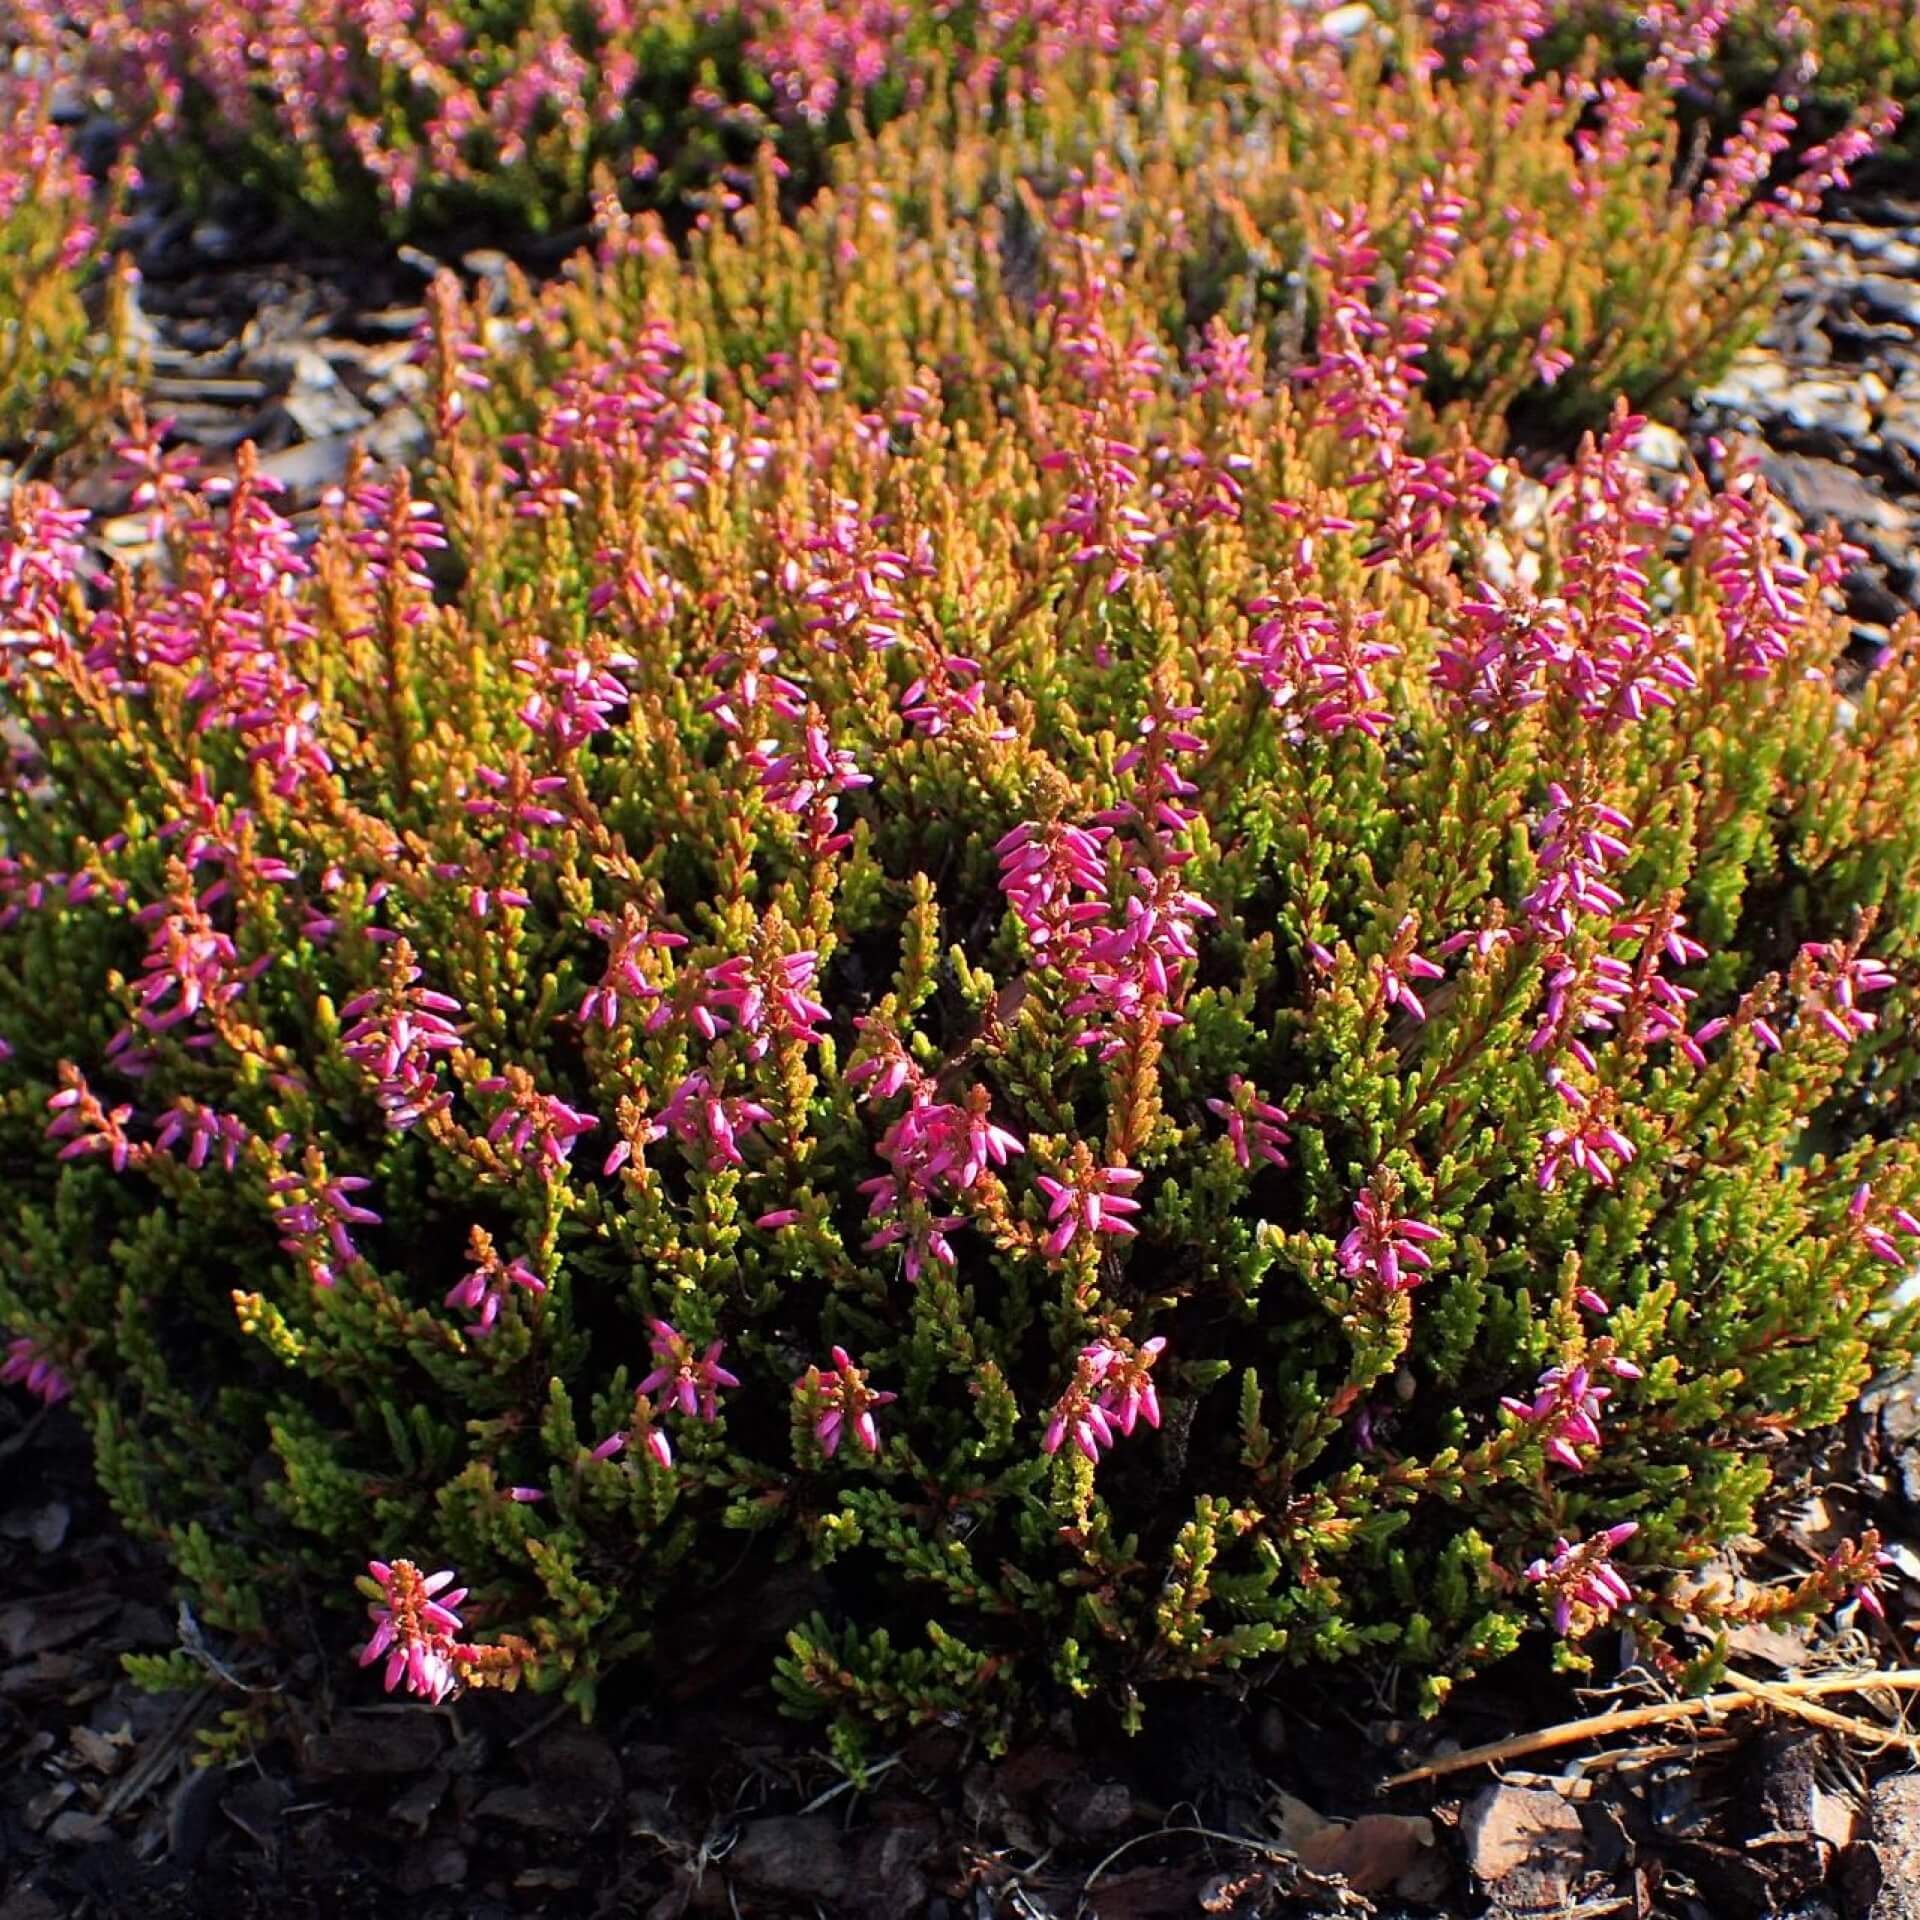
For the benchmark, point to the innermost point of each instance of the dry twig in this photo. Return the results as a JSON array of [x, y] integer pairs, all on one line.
[[1792, 1696]]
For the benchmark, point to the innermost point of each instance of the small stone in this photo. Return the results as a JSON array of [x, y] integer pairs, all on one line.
[[1086, 1807], [1524, 1844], [1792, 1799], [650, 1816], [1822, 490], [1890, 298], [29, 1903], [255, 1807], [1660, 447], [889, 1866], [1890, 1857], [440, 1861], [1372, 1854], [1347, 23], [375, 1743], [1755, 386], [1835, 408], [793, 1854]]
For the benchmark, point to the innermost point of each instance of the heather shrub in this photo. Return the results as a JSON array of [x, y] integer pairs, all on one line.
[[1829, 60], [369, 113], [424, 112], [1158, 1028], [46, 238], [1545, 231], [1602, 252]]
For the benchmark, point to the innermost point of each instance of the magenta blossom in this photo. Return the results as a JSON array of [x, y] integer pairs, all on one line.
[[847, 1404], [1401, 966], [1877, 1228], [1384, 1248], [413, 1628], [483, 1290], [540, 1127], [1588, 1141], [1111, 1391], [1093, 1201], [28, 1365], [1581, 1580], [1254, 1126], [680, 1381], [1566, 1407], [1861, 1567]]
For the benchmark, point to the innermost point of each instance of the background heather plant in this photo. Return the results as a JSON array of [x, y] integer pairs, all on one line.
[[47, 240], [1533, 247], [416, 112]]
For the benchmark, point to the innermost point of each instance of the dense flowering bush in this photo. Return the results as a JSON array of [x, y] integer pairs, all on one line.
[[1544, 259], [912, 915], [1829, 58], [421, 110], [46, 239], [1596, 240]]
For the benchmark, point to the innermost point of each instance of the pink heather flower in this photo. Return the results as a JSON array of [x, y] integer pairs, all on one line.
[[1494, 658], [767, 999], [1384, 1248], [1743, 163], [27, 1365], [847, 1404], [633, 971], [1579, 839], [1254, 1126], [849, 580], [1861, 1566], [393, 1031], [1835, 978], [483, 1290], [205, 1133], [653, 1439], [806, 780], [1043, 868], [1481, 940], [191, 966], [314, 1215], [1111, 1391], [1566, 1407], [1617, 663], [1158, 801], [935, 1151], [1876, 1233], [707, 1124], [950, 689], [539, 1127], [1316, 662], [1583, 1584], [678, 1380], [1092, 1200], [1101, 518], [1588, 1141], [86, 1126], [412, 1628], [1400, 966], [1581, 999], [42, 553], [1763, 597], [574, 696]]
